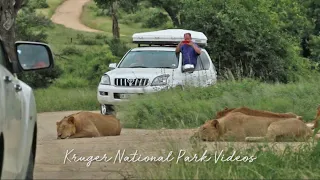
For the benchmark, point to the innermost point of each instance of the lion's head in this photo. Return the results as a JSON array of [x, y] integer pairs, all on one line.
[[209, 131], [66, 127]]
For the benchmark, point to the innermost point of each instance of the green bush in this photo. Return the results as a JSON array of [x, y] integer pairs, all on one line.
[[71, 50], [41, 78], [90, 66], [117, 47], [38, 4], [251, 38], [156, 20]]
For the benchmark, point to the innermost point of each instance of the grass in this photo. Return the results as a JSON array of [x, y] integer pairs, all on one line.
[[104, 23], [192, 107], [53, 4], [57, 99], [269, 162], [61, 37]]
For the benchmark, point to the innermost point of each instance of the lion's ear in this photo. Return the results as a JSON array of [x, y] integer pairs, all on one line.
[[215, 123], [71, 120], [57, 123]]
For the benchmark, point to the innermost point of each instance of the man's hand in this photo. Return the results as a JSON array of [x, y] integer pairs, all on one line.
[[190, 43]]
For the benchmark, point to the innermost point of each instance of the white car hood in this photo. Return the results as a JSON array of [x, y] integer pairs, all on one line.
[[139, 72]]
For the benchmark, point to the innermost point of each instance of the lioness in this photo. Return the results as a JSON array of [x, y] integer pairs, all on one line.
[[254, 112], [87, 124], [241, 127]]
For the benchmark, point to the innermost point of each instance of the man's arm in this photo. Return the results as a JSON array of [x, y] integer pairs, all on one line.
[[196, 48], [178, 47]]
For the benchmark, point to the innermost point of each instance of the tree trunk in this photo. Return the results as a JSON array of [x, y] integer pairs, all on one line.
[[8, 12], [173, 16], [115, 24]]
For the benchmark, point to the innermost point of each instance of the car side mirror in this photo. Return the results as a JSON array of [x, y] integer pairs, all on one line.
[[112, 66], [33, 55]]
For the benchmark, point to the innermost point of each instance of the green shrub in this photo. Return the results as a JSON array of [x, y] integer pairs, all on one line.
[[156, 20], [117, 47]]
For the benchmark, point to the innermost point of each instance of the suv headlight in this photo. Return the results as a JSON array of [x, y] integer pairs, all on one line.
[[160, 80], [105, 80]]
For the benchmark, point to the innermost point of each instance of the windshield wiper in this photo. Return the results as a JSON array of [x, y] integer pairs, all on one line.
[[138, 67], [170, 67]]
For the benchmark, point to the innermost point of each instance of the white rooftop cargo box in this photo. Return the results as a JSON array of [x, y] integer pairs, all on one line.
[[168, 37]]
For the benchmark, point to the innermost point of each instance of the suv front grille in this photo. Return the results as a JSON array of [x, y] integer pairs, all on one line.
[[131, 82]]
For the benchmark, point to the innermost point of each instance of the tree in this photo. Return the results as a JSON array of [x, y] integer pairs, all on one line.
[[172, 7], [250, 38], [112, 6], [8, 11], [31, 26]]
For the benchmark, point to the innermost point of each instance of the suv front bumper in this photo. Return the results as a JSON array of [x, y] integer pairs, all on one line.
[[108, 94]]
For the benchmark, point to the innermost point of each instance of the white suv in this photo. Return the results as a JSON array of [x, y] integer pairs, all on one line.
[[18, 113], [152, 68]]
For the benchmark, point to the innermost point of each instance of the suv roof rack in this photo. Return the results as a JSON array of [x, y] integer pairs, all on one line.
[[168, 37]]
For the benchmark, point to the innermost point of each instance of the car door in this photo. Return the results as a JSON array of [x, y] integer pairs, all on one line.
[[2, 96], [193, 78], [208, 73], [13, 122]]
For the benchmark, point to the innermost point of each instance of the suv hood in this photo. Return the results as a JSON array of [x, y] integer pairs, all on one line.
[[139, 72]]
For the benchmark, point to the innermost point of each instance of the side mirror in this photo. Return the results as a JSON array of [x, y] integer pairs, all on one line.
[[112, 66], [34, 55]]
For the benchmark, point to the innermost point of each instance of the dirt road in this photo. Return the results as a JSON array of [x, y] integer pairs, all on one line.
[[51, 151], [68, 14], [51, 161]]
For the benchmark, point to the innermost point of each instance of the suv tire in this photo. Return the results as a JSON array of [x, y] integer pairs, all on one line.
[[106, 109]]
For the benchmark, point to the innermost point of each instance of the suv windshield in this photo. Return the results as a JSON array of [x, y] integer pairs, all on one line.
[[150, 59]]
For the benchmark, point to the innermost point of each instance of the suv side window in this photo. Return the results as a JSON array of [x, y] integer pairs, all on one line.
[[199, 65], [203, 58]]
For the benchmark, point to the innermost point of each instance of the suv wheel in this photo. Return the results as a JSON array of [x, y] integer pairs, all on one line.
[[106, 109]]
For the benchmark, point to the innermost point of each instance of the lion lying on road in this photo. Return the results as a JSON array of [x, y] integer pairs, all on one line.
[[254, 112], [87, 124], [241, 127]]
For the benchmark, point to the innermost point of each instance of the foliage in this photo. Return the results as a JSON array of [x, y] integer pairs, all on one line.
[[156, 20], [33, 27], [172, 7], [248, 38], [87, 68], [117, 47], [38, 4]]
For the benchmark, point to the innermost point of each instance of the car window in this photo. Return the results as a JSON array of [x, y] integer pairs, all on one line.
[[203, 58], [150, 59], [199, 65]]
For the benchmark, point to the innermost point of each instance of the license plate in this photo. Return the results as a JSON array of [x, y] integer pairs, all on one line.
[[125, 96]]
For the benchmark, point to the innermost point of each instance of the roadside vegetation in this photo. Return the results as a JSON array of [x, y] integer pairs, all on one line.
[[266, 53], [269, 162], [267, 41]]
